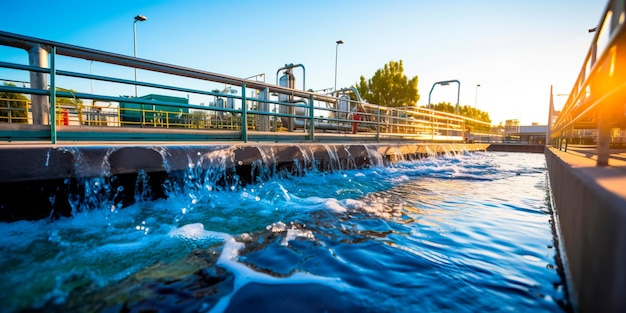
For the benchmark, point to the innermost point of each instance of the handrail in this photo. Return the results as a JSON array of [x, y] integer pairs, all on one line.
[[239, 111], [599, 88], [26, 42]]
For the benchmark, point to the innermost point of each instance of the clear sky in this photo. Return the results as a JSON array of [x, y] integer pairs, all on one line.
[[514, 49]]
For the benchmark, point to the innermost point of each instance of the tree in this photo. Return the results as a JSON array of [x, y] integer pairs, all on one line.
[[13, 107], [389, 87], [467, 111]]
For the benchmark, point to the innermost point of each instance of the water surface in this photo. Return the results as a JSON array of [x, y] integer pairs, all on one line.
[[460, 233]]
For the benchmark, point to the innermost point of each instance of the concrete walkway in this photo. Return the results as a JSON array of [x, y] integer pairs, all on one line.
[[612, 177]]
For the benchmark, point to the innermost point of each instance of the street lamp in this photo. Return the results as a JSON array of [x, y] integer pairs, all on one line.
[[446, 83], [138, 18], [458, 93], [476, 97], [339, 42]]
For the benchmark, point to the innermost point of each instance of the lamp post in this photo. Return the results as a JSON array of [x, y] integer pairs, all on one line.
[[458, 93], [138, 18], [446, 83], [339, 42], [476, 97]]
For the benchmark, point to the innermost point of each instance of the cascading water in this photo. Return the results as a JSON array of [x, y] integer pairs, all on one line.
[[462, 232]]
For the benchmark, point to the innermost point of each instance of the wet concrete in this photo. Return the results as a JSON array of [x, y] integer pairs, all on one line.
[[40, 181]]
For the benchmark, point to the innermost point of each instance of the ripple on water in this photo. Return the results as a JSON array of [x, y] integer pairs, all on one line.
[[459, 233]]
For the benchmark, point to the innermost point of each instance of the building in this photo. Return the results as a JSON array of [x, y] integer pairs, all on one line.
[[533, 134]]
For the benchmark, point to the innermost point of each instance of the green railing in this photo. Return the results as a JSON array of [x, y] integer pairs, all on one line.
[[596, 102], [193, 104]]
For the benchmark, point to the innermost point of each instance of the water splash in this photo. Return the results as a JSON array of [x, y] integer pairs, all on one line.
[[334, 164], [374, 156]]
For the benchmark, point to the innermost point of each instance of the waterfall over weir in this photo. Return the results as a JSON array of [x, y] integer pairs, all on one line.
[[66, 180]]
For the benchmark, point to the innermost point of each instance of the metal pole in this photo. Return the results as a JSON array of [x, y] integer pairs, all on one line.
[[138, 18], [53, 98], [378, 124], [476, 97], [430, 93], [135, 51], [458, 95], [604, 137], [244, 114], [339, 42], [312, 117]]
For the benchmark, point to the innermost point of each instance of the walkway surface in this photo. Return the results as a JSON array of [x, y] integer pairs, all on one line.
[[612, 177]]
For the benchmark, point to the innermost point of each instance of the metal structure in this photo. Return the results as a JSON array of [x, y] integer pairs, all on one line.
[[205, 106], [138, 18], [597, 100], [338, 42], [446, 83]]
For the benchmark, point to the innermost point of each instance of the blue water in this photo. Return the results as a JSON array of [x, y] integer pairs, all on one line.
[[458, 233]]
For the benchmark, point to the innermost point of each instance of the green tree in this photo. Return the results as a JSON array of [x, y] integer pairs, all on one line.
[[444, 107], [13, 107], [389, 87], [467, 111]]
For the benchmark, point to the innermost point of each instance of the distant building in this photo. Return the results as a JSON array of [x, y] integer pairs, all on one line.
[[533, 134]]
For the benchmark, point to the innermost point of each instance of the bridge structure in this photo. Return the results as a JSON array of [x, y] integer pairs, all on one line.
[[186, 104], [586, 159]]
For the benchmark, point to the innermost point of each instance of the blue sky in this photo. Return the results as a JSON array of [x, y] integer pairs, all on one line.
[[514, 49]]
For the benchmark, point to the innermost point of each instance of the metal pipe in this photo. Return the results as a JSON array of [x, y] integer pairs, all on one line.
[[289, 66], [38, 57], [20, 41]]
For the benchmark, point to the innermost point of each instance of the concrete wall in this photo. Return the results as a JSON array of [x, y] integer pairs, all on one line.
[[516, 147], [40, 181], [591, 208]]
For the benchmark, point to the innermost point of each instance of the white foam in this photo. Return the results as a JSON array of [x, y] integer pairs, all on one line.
[[334, 205], [244, 275], [194, 231], [294, 233]]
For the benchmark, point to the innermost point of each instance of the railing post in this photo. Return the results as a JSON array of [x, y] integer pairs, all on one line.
[[53, 97], [604, 138], [568, 134], [378, 124], [432, 126], [312, 118], [244, 114]]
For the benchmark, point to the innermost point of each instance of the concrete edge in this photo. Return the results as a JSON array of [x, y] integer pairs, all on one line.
[[591, 209], [41, 181]]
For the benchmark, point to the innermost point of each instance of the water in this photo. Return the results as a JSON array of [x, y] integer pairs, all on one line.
[[468, 232]]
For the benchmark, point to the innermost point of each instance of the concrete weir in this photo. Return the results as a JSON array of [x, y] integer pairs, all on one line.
[[590, 203], [42, 181]]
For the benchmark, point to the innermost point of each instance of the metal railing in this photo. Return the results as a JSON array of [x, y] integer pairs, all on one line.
[[228, 108], [599, 93]]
